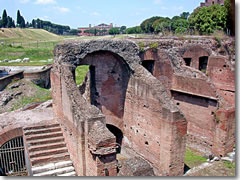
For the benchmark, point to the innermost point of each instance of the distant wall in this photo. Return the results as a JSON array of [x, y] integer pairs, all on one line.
[[4, 81], [198, 94], [41, 78]]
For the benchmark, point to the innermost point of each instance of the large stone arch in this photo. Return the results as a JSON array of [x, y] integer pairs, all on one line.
[[108, 81], [73, 53], [9, 134]]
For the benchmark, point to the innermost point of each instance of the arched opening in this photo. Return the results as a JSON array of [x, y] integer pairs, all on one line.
[[118, 134], [203, 62], [12, 157], [149, 65], [107, 83], [188, 61]]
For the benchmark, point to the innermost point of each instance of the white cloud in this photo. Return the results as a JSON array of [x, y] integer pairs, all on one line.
[[96, 14], [45, 2], [163, 8], [45, 18], [62, 9], [24, 1], [157, 1]]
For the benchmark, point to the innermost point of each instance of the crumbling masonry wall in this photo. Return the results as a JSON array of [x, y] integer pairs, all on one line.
[[121, 93], [206, 98]]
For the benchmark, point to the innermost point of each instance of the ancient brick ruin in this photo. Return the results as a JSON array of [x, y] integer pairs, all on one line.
[[121, 94], [135, 112], [148, 103], [200, 77]]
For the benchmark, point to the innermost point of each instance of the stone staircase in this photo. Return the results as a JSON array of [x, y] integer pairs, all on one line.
[[47, 150]]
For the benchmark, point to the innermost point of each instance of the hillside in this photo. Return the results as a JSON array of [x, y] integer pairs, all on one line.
[[10, 35]]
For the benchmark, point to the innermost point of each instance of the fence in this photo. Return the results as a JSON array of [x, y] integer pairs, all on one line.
[[30, 44], [12, 158]]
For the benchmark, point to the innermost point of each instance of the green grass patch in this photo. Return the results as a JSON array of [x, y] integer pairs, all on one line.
[[80, 73], [40, 95], [229, 165], [35, 55], [192, 159]]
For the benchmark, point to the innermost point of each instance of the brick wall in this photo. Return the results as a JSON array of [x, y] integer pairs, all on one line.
[[197, 94], [4, 81]]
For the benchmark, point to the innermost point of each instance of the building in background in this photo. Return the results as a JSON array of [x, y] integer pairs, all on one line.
[[211, 2], [99, 30]]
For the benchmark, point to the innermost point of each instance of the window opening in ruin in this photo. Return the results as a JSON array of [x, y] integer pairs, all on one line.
[[93, 91], [80, 74], [12, 157], [106, 172], [203, 62], [118, 134], [149, 65], [188, 61]]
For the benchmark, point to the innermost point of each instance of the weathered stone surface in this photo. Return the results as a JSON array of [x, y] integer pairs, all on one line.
[[136, 167]]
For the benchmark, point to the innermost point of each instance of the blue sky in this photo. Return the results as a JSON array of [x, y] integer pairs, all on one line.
[[80, 13]]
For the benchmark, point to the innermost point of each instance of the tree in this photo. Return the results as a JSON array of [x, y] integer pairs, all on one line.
[[206, 20], [33, 23], [9, 22], [4, 19], [19, 19], [122, 29], [13, 24], [134, 30], [114, 31], [74, 31], [180, 26], [0, 22], [185, 15], [230, 10], [22, 25], [147, 25], [159, 23]]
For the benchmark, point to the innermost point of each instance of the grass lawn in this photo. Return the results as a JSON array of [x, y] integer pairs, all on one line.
[[192, 159], [35, 55], [38, 95], [81, 72]]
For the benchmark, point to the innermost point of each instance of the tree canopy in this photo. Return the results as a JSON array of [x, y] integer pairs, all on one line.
[[206, 20], [114, 31]]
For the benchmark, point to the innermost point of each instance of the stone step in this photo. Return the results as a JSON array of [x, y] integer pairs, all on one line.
[[45, 141], [51, 158], [51, 166], [48, 152], [41, 127], [44, 136], [42, 131], [56, 172], [43, 147], [73, 173]]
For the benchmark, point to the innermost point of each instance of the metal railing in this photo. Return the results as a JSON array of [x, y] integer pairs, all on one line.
[[12, 158]]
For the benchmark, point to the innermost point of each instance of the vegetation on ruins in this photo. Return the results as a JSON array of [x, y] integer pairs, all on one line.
[[193, 159]]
